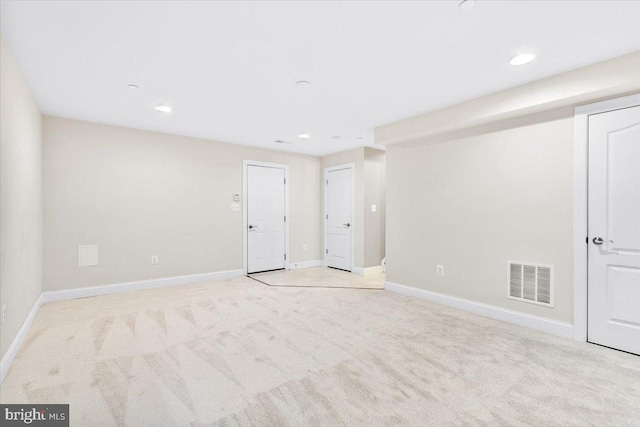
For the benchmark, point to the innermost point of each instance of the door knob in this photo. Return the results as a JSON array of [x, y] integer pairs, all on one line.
[[251, 227], [600, 240], [347, 224]]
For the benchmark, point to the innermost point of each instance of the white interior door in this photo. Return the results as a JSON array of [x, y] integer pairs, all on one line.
[[614, 229], [265, 219], [339, 185]]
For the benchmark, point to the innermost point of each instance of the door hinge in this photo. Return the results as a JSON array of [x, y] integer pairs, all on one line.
[[327, 216], [285, 181], [586, 240], [327, 182], [285, 218], [285, 256], [326, 251]]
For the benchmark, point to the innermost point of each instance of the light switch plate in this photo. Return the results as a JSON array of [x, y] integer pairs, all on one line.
[[236, 197], [235, 206], [87, 255], [374, 208]]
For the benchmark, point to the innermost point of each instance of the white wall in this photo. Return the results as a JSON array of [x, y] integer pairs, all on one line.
[[20, 198], [137, 193], [473, 201]]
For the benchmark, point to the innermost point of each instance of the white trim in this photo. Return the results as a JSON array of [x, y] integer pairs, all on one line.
[[13, 349], [93, 291], [580, 205], [367, 270], [538, 323], [306, 264], [353, 211], [245, 164]]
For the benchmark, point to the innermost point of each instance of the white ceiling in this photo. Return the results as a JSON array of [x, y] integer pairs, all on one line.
[[229, 69]]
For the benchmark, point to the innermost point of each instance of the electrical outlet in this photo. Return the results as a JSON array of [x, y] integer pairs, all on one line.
[[4, 312], [440, 270], [154, 259]]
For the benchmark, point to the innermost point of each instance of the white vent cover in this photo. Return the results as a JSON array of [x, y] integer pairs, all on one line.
[[530, 282], [87, 255]]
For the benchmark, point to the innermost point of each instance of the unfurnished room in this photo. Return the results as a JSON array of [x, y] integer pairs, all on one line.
[[320, 213]]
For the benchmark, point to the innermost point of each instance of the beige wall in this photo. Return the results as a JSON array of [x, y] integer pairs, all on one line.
[[136, 194], [471, 202], [20, 198], [475, 184], [374, 222]]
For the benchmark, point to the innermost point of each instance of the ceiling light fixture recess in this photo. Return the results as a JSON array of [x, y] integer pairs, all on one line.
[[303, 136], [522, 59], [336, 137], [132, 86], [467, 4], [163, 108], [303, 83]]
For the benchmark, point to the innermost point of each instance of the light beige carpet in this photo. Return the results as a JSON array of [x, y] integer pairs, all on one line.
[[237, 352], [320, 277]]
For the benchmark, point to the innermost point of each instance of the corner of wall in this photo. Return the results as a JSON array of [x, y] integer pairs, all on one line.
[[20, 204]]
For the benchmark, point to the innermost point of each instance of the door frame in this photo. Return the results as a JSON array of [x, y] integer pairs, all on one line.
[[581, 205], [353, 210], [245, 235]]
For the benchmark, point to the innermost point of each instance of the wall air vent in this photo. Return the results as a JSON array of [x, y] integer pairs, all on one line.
[[530, 282]]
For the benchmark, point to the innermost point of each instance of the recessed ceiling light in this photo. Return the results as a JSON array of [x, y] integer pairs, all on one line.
[[522, 59], [467, 4], [303, 83], [336, 137], [132, 86], [359, 137], [279, 141], [303, 136], [163, 108]]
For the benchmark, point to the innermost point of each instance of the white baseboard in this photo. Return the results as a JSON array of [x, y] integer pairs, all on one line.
[[366, 271], [67, 294], [306, 264], [13, 349], [137, 285], [542, 324]]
